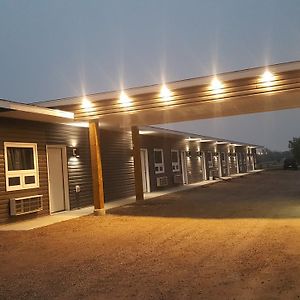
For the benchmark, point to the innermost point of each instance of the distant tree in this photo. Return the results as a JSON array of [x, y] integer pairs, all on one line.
[[294, 145], [273, 156]]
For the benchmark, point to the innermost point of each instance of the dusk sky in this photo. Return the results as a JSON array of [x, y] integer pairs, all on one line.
[[58, 48]]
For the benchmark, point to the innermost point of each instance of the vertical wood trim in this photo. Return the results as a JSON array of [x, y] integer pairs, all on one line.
[[98, 191], [139, 194]]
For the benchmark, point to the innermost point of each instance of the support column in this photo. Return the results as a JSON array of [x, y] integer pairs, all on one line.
[[138, 179], [98, 191]]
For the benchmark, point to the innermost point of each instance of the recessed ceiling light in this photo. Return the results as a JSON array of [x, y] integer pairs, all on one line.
[[124, 100]]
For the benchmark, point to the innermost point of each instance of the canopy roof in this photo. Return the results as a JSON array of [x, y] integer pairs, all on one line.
[[10, 109], [241, 92]]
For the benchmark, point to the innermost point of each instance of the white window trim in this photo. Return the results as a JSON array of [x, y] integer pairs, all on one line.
[[175, 165], [21, 173], [160, 166]]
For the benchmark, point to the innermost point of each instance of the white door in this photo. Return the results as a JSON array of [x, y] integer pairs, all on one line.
[[145, 170], [57, 195], [183, 167]]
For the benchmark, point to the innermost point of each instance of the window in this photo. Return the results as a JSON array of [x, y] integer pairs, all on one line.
[[21, 166], [175, 160], [159, 161], [209, 159]]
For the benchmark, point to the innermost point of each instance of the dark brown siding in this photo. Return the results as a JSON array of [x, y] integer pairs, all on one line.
[[167, 143], [232, 160], [242, 158], [223, 148], [79, 169], [194, 163], [206, 148], [46, 134], [117, 164]]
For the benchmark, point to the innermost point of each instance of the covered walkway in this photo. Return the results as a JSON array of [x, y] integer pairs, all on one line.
[[69, 215]]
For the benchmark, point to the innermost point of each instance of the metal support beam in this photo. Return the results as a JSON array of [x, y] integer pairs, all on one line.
[[138, 179], [97, 176]]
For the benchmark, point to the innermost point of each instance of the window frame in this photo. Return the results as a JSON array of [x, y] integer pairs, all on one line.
[[160, 166], [175, 165], [21, 173]]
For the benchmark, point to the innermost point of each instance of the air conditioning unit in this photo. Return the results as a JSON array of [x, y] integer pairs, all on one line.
[[26, 205], [162, 181], [177, 179]]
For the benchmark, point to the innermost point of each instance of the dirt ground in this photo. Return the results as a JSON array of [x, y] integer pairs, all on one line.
[[232, 240]]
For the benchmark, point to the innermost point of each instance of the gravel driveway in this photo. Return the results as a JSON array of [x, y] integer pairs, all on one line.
[[232, 240]]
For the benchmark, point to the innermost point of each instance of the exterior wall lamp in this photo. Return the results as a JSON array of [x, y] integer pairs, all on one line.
[[75, 152], [199, 154], [188, 153]]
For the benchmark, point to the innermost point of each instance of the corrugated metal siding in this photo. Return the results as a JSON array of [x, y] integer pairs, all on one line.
[[117, 164], [43, 134]]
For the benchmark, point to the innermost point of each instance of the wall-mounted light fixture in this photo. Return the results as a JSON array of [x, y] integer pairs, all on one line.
[[188, 153], [75, 152]]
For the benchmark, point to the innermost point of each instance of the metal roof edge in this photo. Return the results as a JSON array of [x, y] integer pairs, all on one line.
[[194, 135], [30, 108], [225, 76]]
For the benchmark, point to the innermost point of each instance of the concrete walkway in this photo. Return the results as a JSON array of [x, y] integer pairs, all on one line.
[[68, 215]]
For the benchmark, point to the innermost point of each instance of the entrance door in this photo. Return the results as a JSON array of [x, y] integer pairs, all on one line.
[[183, 167], [57, 178], [145, 170]]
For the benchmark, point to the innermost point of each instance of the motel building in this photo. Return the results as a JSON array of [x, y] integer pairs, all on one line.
[[71, 153]]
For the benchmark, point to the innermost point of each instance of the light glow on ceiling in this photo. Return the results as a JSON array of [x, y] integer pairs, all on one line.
[[147, 131], [86, 103], [267, 78], [124, 100], [216, 85], [165, 93]]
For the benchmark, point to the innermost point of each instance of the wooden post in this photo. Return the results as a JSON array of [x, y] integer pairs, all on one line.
[[138, 179], [98, 191]]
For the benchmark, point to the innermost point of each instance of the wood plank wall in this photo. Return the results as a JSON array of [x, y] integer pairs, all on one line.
[[46, 134]]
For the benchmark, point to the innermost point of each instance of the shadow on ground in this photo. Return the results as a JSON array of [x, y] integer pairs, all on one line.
[[272, 194]]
